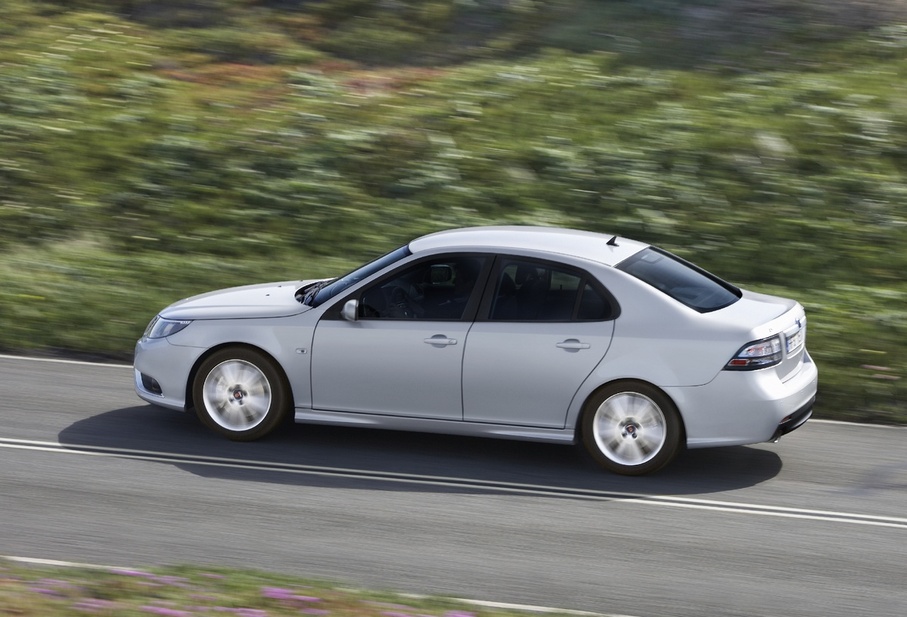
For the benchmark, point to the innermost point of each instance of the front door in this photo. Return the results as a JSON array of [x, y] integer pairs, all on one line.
[[392, 367], [403, 355]]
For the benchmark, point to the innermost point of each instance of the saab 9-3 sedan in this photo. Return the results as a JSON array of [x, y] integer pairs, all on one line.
[[513, 332]]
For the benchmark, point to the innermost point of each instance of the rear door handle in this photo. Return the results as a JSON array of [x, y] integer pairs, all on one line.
[[572, 344], [439, 340]]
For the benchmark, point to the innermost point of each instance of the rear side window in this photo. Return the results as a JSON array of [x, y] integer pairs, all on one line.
[[683, 281], [528, 290]]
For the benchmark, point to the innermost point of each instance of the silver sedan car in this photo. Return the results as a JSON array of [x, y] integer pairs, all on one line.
[[513, 332]]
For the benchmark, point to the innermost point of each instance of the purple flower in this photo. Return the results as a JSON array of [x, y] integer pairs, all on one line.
[[92, 605], [277, 593], [51, 587], [53, 582], [166, 612], [250, 612], [174, 581]]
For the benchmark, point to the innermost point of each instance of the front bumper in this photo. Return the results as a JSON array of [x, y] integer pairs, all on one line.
[[162, 371]]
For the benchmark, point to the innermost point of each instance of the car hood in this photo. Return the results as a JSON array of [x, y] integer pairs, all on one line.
[[249, 301]]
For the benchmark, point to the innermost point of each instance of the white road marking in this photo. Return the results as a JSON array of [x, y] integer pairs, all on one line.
[[64, 361], [56, 563], [455, 482]]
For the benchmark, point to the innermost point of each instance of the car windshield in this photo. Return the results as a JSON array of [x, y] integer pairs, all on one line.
[[330, 289], [686, 283]]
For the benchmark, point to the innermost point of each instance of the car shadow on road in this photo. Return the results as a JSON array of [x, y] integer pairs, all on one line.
[[342, 457]]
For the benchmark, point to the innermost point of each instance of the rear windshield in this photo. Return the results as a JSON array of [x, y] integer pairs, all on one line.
[[686, 283]]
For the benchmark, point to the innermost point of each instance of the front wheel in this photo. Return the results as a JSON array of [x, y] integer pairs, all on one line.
[[631, 428], [240, 393]]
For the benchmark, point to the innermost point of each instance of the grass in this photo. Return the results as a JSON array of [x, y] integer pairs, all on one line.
[[145, 157], [79, 297], [43, 591]]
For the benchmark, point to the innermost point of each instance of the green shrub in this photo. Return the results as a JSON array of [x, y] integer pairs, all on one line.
[[199, 157]]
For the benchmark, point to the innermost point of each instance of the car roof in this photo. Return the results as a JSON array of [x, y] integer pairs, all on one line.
[[602, 248]]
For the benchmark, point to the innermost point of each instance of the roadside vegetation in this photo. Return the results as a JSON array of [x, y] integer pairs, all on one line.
[[152, 149], [39, 591]]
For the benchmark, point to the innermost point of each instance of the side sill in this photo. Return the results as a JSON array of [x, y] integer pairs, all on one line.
[[427, 425]]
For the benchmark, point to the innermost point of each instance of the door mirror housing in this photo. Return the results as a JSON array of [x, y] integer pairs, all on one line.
[[350, 310]]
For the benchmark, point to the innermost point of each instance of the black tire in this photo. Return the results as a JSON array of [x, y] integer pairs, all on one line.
[[241, 393], [631, 428]]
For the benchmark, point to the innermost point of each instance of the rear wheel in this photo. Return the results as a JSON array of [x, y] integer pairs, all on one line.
[[631, 428], [240, 393]]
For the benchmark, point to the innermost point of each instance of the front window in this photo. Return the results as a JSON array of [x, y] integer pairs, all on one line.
[[337, 286], [442, 288], [686, 283]]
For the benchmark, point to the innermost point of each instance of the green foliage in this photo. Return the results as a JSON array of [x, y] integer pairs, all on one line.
[[143, 159], [427, 33], [857, 335], [231, 44]]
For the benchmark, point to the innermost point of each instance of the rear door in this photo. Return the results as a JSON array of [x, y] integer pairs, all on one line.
[[547, 326]]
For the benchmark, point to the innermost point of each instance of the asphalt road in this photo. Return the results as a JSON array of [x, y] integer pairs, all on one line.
[[814, 525]]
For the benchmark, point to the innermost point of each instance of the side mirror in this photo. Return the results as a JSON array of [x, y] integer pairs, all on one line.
[[350, 310]]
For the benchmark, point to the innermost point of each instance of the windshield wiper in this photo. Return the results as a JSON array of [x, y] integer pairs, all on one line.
[[313, 289]]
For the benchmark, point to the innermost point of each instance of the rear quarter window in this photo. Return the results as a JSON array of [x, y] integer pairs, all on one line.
[[685, 282]]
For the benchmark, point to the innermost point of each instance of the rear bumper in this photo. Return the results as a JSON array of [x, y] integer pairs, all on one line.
[[795, 420], [746, 407]]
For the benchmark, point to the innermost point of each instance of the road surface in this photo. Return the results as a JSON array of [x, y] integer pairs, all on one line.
[[815, 525]]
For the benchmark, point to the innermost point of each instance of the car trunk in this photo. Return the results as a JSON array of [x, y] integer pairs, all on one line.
[[766, 316]]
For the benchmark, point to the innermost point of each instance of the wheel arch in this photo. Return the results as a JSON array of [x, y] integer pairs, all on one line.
[[193, 373], [628, 381]]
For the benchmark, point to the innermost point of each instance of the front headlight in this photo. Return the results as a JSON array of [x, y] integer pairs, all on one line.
[[160, 327]]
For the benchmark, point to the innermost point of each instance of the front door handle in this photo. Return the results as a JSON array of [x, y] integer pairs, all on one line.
[[439, 340], [572, 344]]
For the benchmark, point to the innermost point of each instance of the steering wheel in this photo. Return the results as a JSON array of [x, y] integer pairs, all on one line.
[[401, 305]]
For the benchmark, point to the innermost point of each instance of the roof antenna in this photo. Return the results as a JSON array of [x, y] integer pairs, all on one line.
[[612, 241]]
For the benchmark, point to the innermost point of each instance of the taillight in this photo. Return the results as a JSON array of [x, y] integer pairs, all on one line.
[[756, 355]]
